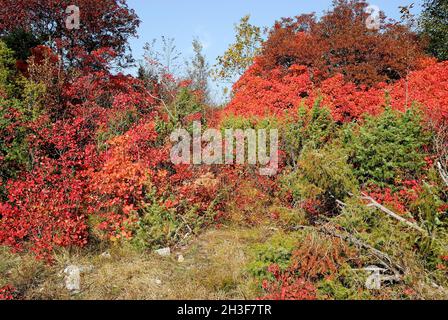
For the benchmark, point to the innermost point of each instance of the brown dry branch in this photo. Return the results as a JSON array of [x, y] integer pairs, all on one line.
[[383, 258]]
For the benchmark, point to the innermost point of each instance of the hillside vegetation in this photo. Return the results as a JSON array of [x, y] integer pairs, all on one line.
[[87, 178]]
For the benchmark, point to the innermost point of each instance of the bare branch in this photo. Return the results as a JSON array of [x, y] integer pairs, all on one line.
[[443, 173], [392, 214], [440, 145], [384, 258], [163, 103]]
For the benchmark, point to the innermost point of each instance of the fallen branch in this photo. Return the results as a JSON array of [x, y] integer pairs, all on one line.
[[442, 173], [392, 214], [341, 204], [384, 258]]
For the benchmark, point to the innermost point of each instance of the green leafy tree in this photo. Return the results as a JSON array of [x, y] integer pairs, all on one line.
[[186, 103], [434, 25], [13, 149], [22, 101], [240, 55], [21, 42]]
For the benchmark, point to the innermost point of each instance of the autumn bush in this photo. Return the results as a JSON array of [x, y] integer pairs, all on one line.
[[106, 24], [290, 265], [341, 42], [322, 178], [87, 152], [7, 293]]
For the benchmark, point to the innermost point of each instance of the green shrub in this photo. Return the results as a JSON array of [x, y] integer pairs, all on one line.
[[347, 284], [244, 123], [312, 129], [388, 148], [14, 148], [375, 228], [415, 252], [20, 103], [427, 210], [277, 250], [322, 175], [158, 226]]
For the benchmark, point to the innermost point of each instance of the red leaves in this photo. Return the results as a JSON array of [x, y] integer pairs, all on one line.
[[339, 60], [427, 87], [48, 205], [312, 207], [7, 293], [104, 24], [314, 259], [397, 200], [95, 154], [45, 210], [121, 181], [41, 53], [270, 94], [261, 93], [288, 287], [339, 42]]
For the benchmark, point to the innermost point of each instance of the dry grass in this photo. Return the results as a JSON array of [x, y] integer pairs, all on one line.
[[214, 268]]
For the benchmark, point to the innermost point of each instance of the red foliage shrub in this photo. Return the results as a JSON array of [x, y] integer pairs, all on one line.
[[288, 287], [427, 87], [260, 93], [41, 53], [48, 205], [7, 293], [314, 259], [312, 207], [45, 210], [399, 200], [318, 257], [118, 185], [95, 153]]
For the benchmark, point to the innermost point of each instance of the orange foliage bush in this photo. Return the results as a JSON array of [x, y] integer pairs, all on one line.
[[271, 93]]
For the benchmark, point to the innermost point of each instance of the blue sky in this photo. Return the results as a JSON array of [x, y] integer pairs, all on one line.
[[212, 21]]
